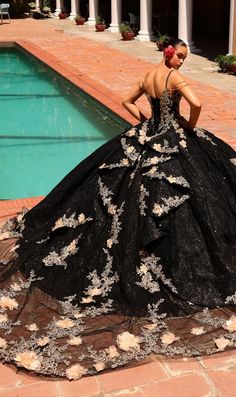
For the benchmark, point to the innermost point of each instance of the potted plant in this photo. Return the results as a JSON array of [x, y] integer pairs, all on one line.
[[32, 5], [161, 40], [126, 31], [46, 7], [79, 19], [226, 63], [100, 24], [46, 10], [63, 14]]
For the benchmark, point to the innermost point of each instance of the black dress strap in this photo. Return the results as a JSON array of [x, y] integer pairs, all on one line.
[[167, 78]]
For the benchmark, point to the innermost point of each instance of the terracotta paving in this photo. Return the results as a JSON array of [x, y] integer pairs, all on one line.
[[107, 74]]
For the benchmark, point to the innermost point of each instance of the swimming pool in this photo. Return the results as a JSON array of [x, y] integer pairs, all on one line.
[[47, 125]]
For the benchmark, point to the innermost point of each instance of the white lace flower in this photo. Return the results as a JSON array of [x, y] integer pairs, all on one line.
[[94, 291], [59, 223], [15, 287], [142, 139], [8, 303], [99, 366], [157, 209], [28, 360], [3, 318], [198, 331], [168, 338], [131, 132], [125, 162], [150, 327], [153, 170], [81, 218], [5, 235], [130, 149], [112, 209], [75, 372], [74, 341], [143, 269], [3, 343], [88, 299], [221, 343], [154, 160], [43, 341], [171, 179], [109, 243], [157, 147], [32, 327], [65, 323], [230, 324], [72, 246], [126, 341], [112, 351], [77, 314], [183, 143]]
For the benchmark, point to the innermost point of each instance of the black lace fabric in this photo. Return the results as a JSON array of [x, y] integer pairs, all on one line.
[[132, 253]]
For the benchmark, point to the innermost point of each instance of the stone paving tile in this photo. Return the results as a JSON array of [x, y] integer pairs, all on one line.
[[129, 393], [47, 389], [224, 360], [178, 366], [193, 385], [10, 377], [86, 387], [130, 377], [225, 381]]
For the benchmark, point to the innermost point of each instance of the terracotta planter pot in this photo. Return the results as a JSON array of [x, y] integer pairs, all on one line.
[[127, 36], [232, 69], [80, 21], [100, 27], [160, 46], [62, 16]]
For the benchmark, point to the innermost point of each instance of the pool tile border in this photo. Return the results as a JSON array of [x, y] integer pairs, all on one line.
[[9, 208], [91, 87]]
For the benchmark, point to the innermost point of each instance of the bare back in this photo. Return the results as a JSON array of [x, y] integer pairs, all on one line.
[[157, 81]]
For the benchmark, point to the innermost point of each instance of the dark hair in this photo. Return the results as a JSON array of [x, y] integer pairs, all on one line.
[[174, 42]]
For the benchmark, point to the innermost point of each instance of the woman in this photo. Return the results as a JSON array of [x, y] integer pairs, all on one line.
[[133, 251]]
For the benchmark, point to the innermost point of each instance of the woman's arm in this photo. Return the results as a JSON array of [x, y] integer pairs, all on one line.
[[192, 99], [131, 98]]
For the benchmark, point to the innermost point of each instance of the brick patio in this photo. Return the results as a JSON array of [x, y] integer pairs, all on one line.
[[104, 69]]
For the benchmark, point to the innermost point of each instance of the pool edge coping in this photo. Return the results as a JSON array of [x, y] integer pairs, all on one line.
[[91, 87], [98, 92]]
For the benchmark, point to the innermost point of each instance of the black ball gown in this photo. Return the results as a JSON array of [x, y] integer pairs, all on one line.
[[133, 252]]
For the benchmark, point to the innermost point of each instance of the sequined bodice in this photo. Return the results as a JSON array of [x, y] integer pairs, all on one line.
[[166, 108]]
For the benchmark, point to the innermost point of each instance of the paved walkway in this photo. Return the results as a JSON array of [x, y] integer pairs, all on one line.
[[113, 66]]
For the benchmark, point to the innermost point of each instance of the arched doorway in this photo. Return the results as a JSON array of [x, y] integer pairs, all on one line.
[[211, 26]]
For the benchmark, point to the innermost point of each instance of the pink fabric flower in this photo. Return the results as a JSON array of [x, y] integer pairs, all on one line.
[[169, 51]]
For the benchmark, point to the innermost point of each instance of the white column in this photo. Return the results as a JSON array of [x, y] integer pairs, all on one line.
[[145, 33], [59, 6], [185, 22], [37, 4], [74, 9], [93, 12], [115, 15], [232, 23]]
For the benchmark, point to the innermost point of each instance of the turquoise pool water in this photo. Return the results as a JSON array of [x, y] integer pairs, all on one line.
[[47, 126]]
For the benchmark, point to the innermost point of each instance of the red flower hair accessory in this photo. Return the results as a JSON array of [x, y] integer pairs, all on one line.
[[169, 51]]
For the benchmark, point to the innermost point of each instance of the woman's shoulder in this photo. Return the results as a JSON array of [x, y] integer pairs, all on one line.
[[176, 79]]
